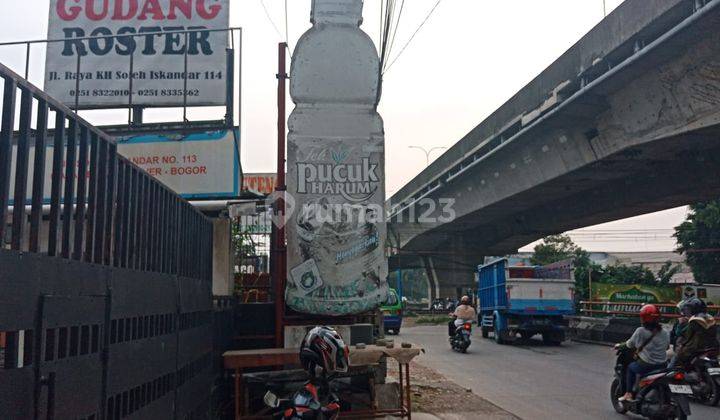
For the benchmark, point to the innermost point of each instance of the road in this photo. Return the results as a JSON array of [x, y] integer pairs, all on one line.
[[532, 381]]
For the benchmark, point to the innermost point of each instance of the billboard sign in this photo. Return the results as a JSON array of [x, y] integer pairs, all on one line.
[[631, 297], [196, 166], [336, 233], [264, 183], [158, 61], [336, 236]]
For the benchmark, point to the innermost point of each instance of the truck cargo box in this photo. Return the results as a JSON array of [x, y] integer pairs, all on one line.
[[525, 290]]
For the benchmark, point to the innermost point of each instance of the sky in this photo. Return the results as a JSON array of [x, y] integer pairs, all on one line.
[[465, 62]]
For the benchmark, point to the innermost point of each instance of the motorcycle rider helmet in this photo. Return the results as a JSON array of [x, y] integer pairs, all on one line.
[[692, 306], [649, 314], [465, 300], [323, 352]]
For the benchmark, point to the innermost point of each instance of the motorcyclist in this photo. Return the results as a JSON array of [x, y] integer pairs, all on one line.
[[699, 335], [463, 313], [676, 334], [650, 343]]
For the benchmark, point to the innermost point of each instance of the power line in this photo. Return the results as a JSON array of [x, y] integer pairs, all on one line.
[[414, 33], [262, 2], [397, 24], [382, 14], [387, 22]]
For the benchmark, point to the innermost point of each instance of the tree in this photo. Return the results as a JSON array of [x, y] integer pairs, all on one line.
[[698, 237], [666, 272], [242, 241], [585, 268], [627, 274], [555, 248]]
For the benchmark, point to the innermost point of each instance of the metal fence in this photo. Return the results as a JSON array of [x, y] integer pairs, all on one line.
[[105, 291], [632, 309]]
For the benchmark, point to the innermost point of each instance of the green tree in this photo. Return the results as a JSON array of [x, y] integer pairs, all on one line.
[[242, 241], [561, 247], [627, 274], [584, 270], [555, 248], [698, 237], [666, 272]]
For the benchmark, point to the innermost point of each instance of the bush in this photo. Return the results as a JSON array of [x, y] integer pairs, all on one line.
[[433, 319]]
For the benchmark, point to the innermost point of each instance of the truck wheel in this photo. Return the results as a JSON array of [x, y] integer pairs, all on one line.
[[553, 339], [498, 333], [498, 337], [485, 331]]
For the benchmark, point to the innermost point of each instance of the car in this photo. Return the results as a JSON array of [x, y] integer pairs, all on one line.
[[392, 313]]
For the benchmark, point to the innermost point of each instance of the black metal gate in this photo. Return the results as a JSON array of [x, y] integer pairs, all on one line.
[[105, 291]]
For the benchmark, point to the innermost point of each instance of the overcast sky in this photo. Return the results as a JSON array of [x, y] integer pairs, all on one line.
[[468, 59]]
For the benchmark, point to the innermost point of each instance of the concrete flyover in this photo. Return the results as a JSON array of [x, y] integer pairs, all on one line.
[[626, 122]]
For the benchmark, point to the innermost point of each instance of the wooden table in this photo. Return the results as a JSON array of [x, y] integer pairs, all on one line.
[[370, 355]]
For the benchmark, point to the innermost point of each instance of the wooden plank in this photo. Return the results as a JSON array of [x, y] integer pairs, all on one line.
[[240, 359]]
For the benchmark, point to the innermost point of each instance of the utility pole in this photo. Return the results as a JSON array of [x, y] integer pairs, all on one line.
[[604, 8], [279, 270], [427, 152]]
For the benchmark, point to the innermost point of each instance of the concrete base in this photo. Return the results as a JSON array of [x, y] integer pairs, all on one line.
[[387, 396]]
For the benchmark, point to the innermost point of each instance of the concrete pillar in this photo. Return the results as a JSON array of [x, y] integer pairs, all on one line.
[[223, 253], [456, 269]]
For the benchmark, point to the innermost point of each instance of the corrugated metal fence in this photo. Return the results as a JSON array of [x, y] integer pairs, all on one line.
[[105, 291]]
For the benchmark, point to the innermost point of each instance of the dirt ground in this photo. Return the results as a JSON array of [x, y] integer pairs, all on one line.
[[432, 393]]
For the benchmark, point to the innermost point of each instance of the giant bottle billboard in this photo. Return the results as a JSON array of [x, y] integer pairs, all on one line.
[[336, 168]]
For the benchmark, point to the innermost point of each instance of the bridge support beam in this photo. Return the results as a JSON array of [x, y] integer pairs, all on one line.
[[455, 268]]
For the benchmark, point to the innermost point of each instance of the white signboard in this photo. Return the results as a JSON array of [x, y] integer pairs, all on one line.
[[196, 166], [158, 60], [202, 165]]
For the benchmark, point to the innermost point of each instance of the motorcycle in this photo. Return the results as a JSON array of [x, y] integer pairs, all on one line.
[[662, 394], [304, 404], [460, 341], [703, 375]]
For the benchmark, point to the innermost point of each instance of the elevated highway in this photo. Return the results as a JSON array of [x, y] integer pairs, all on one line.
[[626, 122]]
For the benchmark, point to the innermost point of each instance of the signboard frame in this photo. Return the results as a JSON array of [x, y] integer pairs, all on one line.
[[190, 136], [217, 30], [195, 137]]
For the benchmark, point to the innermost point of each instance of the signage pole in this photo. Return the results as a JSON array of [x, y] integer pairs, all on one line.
[[279, 242]]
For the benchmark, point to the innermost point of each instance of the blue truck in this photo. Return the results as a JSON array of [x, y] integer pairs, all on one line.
[[525, 300]]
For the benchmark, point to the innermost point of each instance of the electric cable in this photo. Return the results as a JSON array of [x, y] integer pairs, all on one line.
[[267, 14], [413, 35]]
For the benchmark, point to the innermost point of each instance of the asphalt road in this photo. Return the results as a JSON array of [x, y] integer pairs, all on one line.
[[531, 380]]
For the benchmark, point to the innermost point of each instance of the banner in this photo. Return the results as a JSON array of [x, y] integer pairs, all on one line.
[[336, 235], [263, 183], [635, 295], [196, 166], [158, 61]]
